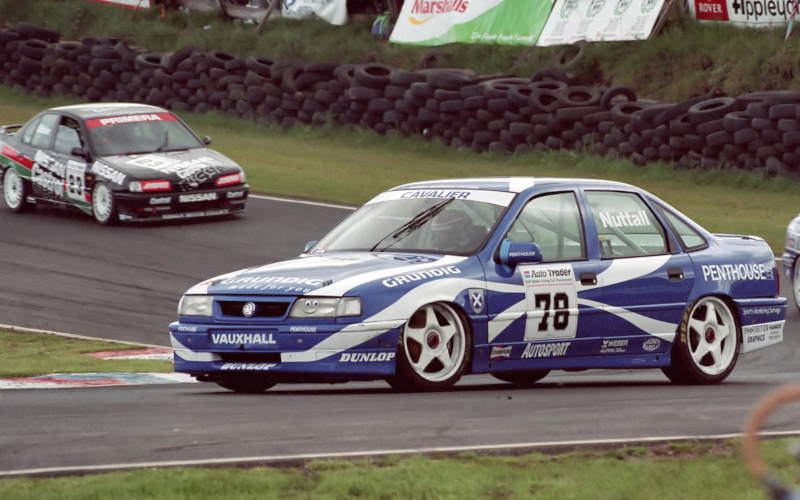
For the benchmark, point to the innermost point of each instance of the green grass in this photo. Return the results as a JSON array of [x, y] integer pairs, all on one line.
[[694, 471], [342, 166], [26, 355]]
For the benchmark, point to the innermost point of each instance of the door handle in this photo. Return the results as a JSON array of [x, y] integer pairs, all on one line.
[[675, 273], [588, 279]]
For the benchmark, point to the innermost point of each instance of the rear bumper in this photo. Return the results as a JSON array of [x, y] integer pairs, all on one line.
[[762, 322]]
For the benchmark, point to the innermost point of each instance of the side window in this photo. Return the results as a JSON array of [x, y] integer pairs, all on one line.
[[553, 222], [27, 132], [67, 136], [689, 238], [43, 136], [625, 225]]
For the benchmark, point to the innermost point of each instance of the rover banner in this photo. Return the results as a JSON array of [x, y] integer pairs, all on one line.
[[600, 21], [438, 22], [755, 13]]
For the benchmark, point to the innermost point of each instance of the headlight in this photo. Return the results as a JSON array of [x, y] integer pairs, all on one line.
[[195, 305], [323, 307]]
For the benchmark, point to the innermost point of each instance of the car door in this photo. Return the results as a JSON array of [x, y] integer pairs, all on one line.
[[644, 277], [68, 137], [535, 320], [47, 174]]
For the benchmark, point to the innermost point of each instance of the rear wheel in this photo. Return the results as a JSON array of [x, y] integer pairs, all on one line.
[[522, 378], [247, 385], [434, 350], [15, 191], [104, 208], [707, 345]]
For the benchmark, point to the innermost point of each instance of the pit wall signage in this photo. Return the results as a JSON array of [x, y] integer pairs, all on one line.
[[600, 21], [439, 22], [755, 13], [131, 4]]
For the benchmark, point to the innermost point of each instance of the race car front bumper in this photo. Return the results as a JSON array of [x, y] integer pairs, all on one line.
[[362, 351], [180, 205]]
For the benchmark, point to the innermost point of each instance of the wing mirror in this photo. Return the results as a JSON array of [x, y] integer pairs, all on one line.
[[206, 140], [513, 253], [309, 245], [81, 153]]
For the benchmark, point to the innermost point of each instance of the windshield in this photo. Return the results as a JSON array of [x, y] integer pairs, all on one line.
[[137, 134], [443, 222]]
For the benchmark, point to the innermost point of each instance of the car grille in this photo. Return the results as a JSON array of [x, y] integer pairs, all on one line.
[[263, 309], [184, 186]]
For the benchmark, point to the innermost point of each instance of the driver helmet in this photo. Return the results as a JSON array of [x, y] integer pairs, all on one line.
[[449, 229]]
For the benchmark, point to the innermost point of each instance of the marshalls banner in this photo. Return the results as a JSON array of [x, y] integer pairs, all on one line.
[[600, 21], [510, 22]]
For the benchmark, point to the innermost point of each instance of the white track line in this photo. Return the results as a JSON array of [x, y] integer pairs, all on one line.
[[302, 202], [22, 329], [289, 459]]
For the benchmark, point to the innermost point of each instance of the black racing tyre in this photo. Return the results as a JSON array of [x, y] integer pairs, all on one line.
[[434, 349], [614, 92], [345, 74], [500, 87], [421, 89], [624, 112], [719, 138], [745, 136], [448, 79], [570, 55], [757, 110], [247, 384], [260, 65], [681, 125], [791, 139], [33, 49], [148, 61], [104, 207], [778, 111], [736, 121], [551, 73], [373, 75], [32, 31], [406, 78], [676, 110], [178, 56], [544, 101], [218, 58], [521, 378], [16, 191], [579, 96], [576, 114], [706, 347], [235, 65], [788, 125]]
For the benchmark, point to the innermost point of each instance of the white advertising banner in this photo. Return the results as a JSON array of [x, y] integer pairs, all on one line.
[[133, 4], [600, 21], [331, 11], [754, 13], [438, 22]]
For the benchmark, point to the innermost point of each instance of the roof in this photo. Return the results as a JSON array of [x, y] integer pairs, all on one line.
[[508, 184], [101, 110]]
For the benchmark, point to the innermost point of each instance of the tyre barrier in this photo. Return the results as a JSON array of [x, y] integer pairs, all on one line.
[[496, 113]]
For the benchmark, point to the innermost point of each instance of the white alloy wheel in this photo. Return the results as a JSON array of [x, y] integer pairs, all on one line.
[[711, 336], [435, 349], [103, 207], [14, 191]]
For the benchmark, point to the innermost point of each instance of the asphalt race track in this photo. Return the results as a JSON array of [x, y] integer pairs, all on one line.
[[62, 272]]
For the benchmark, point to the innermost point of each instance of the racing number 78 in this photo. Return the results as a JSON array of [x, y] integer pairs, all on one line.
[[560, 305]]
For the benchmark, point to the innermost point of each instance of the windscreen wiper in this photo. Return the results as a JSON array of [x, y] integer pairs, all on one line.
[[412, 225]]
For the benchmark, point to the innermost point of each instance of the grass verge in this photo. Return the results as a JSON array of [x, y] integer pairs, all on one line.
[[664, 472], [27, 355], [342, 166]]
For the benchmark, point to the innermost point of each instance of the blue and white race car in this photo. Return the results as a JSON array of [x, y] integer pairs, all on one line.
[[790, 260], [509, 276]]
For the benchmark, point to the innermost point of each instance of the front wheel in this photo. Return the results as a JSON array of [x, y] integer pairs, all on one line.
[[707, 345], [434, 350], [15, 191], [104, 208]]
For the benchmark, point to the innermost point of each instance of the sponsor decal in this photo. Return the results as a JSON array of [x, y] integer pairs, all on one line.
[[154, 162], [48, 173], [117, 120], [614, 346], [735, 272], [550, 275], [476, 300], [75, 184], [160, 201], [302, 329], [551, 350], [107, 172], [763, 332], [459, 195], [651, 345], [711, 10], [625, 219], [234, 194], [747, 311], [420, 275], [192, 198], [14, 156], [437, 7], [500, 352], [272, 279], [243, 338], [365, 357], [192, 329], [248, 366]]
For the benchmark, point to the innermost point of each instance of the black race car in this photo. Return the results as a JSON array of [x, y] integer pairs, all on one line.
[[117, 162]]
